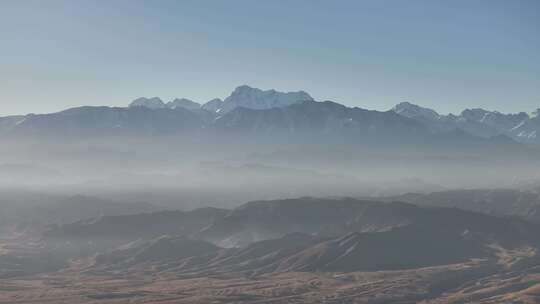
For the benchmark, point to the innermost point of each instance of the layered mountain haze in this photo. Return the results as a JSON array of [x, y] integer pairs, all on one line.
[[258, 144], [133, 170], [146, 203], [346, 243]]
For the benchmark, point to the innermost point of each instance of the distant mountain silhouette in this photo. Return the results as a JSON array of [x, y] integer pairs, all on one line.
[[273, 117]]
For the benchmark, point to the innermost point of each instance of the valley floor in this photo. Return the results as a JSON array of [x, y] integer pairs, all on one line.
[[472, 282]]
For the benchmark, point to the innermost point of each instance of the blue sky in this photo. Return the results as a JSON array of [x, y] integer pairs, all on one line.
[[447, 55]]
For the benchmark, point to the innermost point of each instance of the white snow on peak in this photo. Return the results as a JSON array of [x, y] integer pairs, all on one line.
[[253, 98], [151, 103]]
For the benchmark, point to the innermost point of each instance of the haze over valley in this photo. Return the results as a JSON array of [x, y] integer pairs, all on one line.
[[340, 152]]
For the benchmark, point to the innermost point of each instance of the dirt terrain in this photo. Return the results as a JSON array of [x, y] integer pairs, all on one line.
[[412, 255], [472, 282]]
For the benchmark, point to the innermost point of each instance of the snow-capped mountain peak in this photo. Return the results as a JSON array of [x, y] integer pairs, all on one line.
[[253, 98], [243, 96], [151, 103]]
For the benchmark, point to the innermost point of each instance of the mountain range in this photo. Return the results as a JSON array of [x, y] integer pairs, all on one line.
[[253, 110]]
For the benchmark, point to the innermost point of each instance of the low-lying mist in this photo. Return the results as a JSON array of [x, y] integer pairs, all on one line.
[[186, 172]]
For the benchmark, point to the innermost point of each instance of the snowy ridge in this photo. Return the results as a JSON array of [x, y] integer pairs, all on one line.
[[243, 96], [519, 126]]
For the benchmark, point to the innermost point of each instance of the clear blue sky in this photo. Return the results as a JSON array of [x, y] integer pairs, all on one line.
[[447, 55]]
